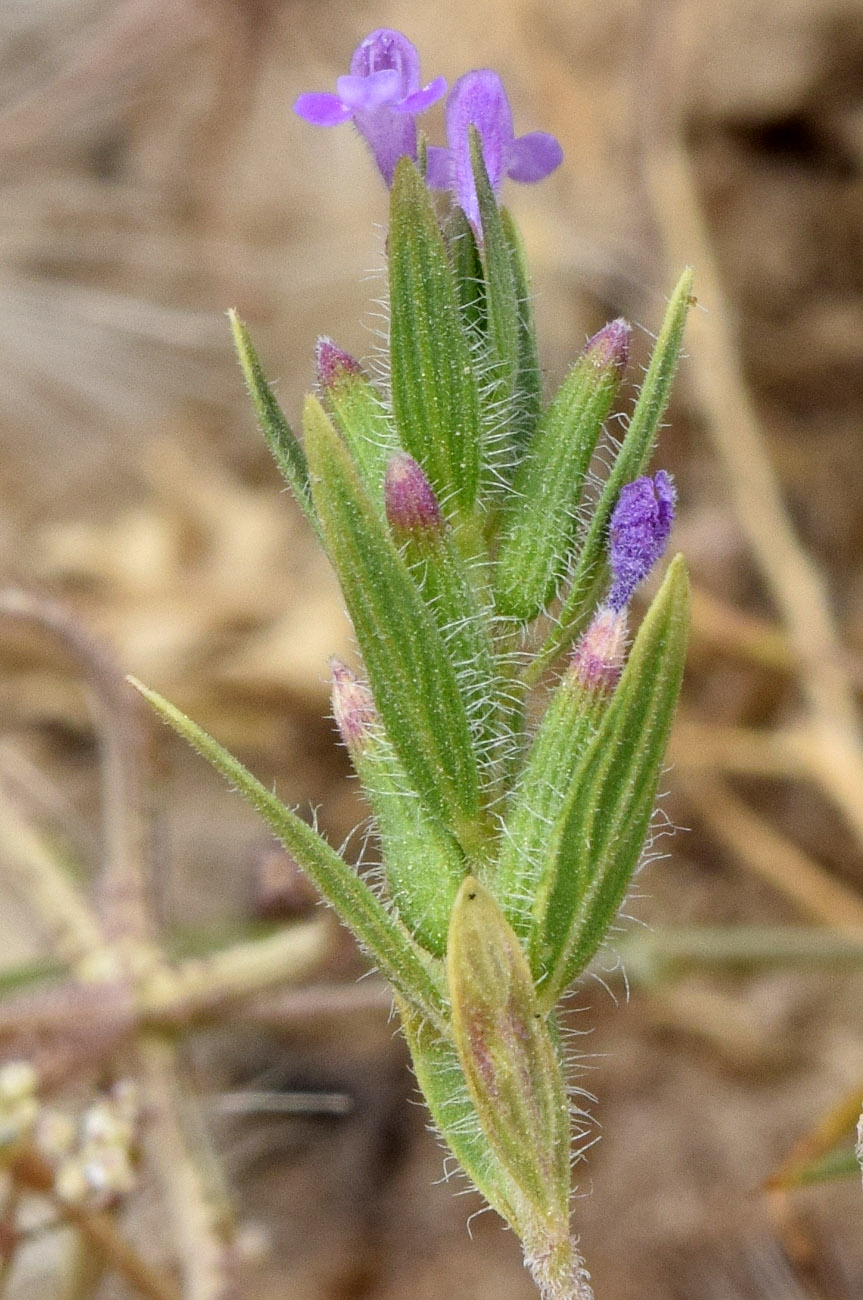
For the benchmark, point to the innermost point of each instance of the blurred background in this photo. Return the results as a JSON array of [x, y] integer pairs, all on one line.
[[152, 175]]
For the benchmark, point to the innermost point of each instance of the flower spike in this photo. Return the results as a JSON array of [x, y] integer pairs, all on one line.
[[381, 95], [478, 99]]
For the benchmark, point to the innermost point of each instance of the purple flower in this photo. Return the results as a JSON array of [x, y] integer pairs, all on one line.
[[479, 99], [382, 96], [640, 524]]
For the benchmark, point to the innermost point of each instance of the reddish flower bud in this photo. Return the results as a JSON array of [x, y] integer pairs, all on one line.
[[411, 505], [610, 346], [333, 364], [598, 658]]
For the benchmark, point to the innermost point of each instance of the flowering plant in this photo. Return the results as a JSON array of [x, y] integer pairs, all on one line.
[[475, 552]]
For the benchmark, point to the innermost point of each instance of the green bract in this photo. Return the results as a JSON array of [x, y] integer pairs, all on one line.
[[452, 508]]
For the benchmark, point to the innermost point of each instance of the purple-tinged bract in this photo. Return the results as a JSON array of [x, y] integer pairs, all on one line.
[[639, 529], [381, 95], [478, 99]]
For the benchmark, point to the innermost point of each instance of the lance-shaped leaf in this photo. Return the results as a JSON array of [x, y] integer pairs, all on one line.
[[358, 413], [540, 518], [409, 971], [545, 782], [453, 590], [549, 1250], [281, 440], [467, 272], [412, 679], [423, 863], [527, 398], [598, 840], [439, 1075], [630, 462], [500, 284], [506, 1052], [434, 388]]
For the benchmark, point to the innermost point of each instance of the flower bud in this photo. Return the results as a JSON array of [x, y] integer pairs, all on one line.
[[610, 345], [598, 658], [333, 364], [353, 706], [411, 506], [638, 532]]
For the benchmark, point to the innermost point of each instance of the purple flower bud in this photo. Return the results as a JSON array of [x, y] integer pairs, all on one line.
[[411, 506], [382, 96], [479, 99], [640, 524], [598, 657], [610, 346], [332, 364], [353, 706]]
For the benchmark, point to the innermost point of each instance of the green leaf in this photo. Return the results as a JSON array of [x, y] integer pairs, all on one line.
[[527, 398], [281, 440], [596, 844], [442, 1083], [423, 863], [434, 389], [457, 596], [507, 1055], [500, 284], [467, 272], [411, 676], [541, 791], [399, 960], [631, 461], [360, 416], [540, 518]]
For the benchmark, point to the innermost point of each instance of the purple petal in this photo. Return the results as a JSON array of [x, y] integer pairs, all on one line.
[[322, 109], [382, 94], [385, 49], [439, 169], [533, 157], [478, 99], [422, 99], [363, 94], [390, 136]]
